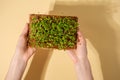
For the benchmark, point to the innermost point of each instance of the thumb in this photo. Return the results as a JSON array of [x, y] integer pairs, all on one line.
[[25, 30]]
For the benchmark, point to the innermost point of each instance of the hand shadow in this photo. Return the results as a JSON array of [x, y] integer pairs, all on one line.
[[39, 64], [95, 27]]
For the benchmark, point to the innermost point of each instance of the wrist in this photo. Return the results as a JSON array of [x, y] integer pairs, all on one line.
[[83, 69], [16, 68], [81, 60], [18, 57]]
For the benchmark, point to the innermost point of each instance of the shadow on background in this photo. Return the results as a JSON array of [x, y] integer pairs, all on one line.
[[95, 27], [39, 64]]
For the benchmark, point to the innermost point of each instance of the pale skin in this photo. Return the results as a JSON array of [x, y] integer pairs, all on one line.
[[23, 52], [80, 59]]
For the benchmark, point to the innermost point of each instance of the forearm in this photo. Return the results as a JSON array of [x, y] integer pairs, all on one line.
[[83, 69], [16, 69]]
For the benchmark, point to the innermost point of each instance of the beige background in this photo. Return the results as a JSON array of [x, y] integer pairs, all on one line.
[[99, 22]]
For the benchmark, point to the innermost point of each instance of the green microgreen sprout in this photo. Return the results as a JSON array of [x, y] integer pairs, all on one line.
[[53, 31]]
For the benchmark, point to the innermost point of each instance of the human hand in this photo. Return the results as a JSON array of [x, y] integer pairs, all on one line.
[[79, 57], [22, 54], [81, 51], [22, 48]]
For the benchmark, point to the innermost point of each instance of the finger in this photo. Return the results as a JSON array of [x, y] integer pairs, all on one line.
[[79, 34], [25, 30], [81, 38]]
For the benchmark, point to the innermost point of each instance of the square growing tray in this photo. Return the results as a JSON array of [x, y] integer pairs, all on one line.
[[53, 31]]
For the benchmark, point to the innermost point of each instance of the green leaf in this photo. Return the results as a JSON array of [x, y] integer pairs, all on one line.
[[52, 31]]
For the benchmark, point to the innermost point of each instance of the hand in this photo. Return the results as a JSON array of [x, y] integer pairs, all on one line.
[[22, 48], [22, 55], [81, 51], [79, 57]]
